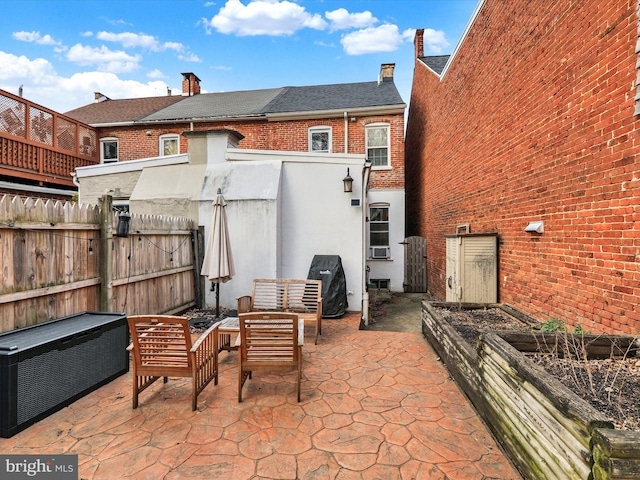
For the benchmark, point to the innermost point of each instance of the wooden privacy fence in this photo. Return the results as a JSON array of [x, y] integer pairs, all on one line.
[[61, 258]]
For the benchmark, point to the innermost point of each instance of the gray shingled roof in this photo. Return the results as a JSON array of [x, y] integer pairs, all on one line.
[[217, 105], [242, 104], [436, 62], [336, 97]]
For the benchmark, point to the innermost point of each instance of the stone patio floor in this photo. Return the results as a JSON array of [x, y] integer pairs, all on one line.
[[375, 405]]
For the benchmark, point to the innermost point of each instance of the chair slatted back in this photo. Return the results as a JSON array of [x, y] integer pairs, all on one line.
[[161, 345], [269, 339]]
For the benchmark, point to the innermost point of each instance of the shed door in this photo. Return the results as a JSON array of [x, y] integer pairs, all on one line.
[[415, 265], [452, 274], [479, 269]]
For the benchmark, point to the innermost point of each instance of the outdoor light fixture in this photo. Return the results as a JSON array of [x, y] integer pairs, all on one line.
[[535, 227], [348, 183], [123, 225]]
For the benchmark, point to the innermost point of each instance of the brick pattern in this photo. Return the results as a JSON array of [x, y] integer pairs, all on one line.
[[289, 135], [535, 121]]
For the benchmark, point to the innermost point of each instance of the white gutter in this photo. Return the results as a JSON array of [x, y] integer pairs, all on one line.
[[366, 171], [36, 189], [381, 110]]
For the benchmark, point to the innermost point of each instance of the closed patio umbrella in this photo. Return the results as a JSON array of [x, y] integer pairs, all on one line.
[[218, 261]]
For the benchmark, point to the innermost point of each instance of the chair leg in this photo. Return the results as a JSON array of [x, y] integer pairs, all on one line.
[[299, 370], [135, 392]]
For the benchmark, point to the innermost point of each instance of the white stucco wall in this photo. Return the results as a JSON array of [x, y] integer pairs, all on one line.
[[392, 268]]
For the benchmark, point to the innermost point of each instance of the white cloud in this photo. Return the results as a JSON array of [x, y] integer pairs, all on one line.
[[35, 37], [155, 73], [385, 38], [190, 57], [434, 40], [263, 17], [130, 39], [42, 84], [104, 59], [341, 19]]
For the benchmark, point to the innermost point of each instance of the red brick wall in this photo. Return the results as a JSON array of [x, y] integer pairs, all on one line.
[[535, 121], [134, 143]]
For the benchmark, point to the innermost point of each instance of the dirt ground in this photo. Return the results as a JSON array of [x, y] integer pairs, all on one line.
[[396, 312]]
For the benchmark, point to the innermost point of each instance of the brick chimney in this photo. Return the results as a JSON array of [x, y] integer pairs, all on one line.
[[386, 71], [190, 84], [418, 43]]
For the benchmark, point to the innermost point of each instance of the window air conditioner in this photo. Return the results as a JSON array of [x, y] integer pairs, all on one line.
[[379, 252]]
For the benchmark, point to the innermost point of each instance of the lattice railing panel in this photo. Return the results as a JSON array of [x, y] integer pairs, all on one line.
[[41, 126], [66, 135], [88, 142], [12, 116]]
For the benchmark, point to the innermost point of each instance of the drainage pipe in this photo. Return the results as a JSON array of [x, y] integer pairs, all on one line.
[[365, 291]]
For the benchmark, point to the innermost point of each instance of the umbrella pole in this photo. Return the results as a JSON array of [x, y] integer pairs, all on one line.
[[217, 300]]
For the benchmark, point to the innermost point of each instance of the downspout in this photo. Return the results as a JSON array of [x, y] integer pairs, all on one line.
[[346, 133], [365, 291]]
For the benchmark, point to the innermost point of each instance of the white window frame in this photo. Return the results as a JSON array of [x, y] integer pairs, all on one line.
[[320, 129], [163, 138], [105, 140], [376, 254], [377, 126]]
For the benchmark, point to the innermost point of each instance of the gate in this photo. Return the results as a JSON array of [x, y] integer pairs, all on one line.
[[415, 265]]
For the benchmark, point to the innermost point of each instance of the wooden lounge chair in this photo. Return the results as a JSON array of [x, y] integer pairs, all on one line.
[[269, 342], [161, 347]]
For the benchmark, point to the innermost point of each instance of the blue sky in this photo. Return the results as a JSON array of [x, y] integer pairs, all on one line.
[[61, 51]]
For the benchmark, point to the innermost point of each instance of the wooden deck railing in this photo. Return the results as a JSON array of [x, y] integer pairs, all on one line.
[[41, 145]]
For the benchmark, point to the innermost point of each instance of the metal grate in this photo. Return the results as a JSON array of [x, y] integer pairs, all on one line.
[[12, 116], [41, 126], [66, 135]]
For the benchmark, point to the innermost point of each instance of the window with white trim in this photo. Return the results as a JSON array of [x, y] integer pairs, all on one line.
[[169, 144], [320, 139], [108, 150], [379, 231], [377, 141]]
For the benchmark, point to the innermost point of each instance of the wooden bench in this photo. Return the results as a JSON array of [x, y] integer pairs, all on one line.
[[303, 297]]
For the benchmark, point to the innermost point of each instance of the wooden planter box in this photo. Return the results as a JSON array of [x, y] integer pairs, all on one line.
[[547, 430]]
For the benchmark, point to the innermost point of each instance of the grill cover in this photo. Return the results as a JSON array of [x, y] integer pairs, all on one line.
[[328, 268]]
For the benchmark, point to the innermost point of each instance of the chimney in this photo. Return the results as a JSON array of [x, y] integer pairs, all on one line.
[[190, 84], [99, 97], [418, 43], [386, 71]]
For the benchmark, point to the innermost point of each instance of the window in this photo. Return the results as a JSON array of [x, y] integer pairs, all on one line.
[[108, 150], [380, 283], [169, 144], [379, 231], [320, 139], [377, 138]]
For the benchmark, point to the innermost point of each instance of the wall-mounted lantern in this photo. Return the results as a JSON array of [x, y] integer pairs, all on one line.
[[348, 183], [124, 220]]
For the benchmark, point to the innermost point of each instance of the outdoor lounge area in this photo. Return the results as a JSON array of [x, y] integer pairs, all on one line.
[[373, 405]]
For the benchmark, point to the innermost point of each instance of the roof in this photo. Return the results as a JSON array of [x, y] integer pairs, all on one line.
[[121, 111], [243, 104], [435, 62]]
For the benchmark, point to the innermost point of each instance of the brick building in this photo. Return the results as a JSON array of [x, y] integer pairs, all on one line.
[[534, 118], [352, 118]]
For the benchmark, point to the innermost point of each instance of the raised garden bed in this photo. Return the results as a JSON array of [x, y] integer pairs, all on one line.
[[548, 431]]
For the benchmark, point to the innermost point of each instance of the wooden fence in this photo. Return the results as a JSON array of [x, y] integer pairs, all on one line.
[[63, 258]]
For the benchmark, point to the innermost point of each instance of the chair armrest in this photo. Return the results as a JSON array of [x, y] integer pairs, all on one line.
[[244, 304], [212, 330], [320, 307]]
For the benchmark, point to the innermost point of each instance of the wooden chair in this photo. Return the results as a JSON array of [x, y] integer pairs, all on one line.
[[269, 342], [161, 347]]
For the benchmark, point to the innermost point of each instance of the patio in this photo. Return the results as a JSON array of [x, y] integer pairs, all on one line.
[[375, 405]]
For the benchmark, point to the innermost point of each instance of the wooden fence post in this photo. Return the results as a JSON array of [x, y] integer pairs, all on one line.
[[198, 252], [106, 253]]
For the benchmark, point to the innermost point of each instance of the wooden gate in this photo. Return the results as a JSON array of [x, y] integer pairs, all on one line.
[[415, 265]]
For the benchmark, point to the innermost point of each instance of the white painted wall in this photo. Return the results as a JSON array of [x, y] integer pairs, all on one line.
[[392, 268]]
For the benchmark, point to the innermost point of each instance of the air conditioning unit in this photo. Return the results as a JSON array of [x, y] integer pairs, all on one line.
[[379, 252]]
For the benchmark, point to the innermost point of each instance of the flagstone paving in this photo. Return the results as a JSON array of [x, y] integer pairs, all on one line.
[[375, 405]]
